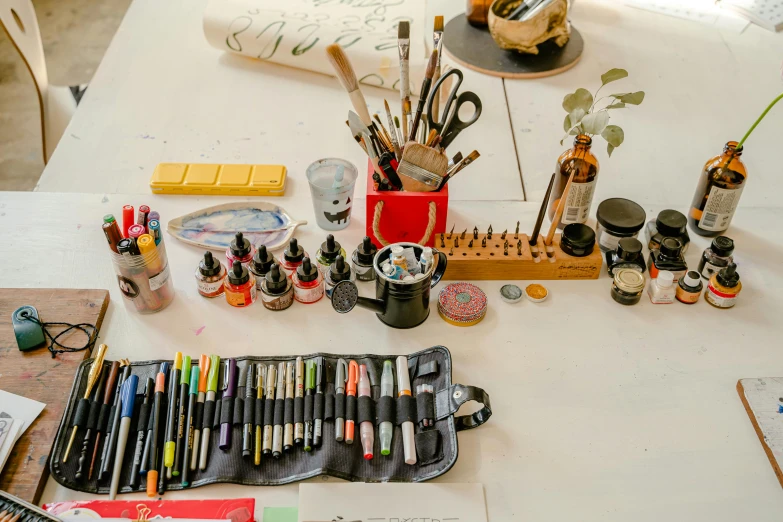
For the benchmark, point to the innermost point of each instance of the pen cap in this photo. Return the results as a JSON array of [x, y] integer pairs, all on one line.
[[387, 378], [149, 389], [164, 368], [310, 375], [240, 246], [320, 372], [185, 375], [203, 368], [232, 378], [178, 361], [145, 243], [194, 378], [353, 376], [364, 381], [128, 395], [341, 374], [160, 383], [214, 371], [135, 231], [403, 379], [109, 218], [153, 215]]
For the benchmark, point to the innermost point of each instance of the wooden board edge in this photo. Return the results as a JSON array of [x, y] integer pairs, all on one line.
[[759, 433]]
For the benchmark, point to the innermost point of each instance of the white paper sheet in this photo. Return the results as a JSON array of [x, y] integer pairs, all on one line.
[[10, 431], [392, 502], [21, 408], [297, 32]]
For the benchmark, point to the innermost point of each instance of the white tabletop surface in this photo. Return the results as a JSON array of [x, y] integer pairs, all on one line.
[[601, 412]]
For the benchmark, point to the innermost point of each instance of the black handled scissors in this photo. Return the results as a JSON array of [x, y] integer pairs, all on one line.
[[449, 124]]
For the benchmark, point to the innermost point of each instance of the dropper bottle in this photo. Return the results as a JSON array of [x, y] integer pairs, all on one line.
[[292, 257], [327, 254], [339, 271], [240, 250], [260, 265], [210, 276], [240, 286], [308, 283], [366, 427], [386, 429], [362, 260], [277, 290]]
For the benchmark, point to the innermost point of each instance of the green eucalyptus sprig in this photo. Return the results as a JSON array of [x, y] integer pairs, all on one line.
[[589, 114]]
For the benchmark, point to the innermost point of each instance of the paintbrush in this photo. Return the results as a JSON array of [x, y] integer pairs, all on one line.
[[342, 66], [462, 163], [399, 132], [92, 378], [422, 168], [559, 212], [406, 129], [425, 90], [404, 47], [541, 212], [431, 137], [380, 132], [437, 44], [358, 128], [394, 139], [456, 159]]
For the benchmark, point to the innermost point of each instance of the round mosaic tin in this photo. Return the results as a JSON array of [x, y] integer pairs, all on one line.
[[462, 304]]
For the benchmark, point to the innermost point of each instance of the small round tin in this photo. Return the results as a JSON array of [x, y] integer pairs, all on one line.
[[462, 304], [536, 292], [510, 293]]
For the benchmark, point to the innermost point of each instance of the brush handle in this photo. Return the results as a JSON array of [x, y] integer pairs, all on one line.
[[360, 106], [82, 469]]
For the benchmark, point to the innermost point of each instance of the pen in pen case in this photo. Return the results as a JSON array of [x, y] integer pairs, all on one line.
[[103, 417], [259, 417], [92, 423], [209, 411], [96, 369], [139, 455], [114, 423], [127, 399], [340, 378], [404, 388], [198, 419], [288, 427], [277, 433], [366, 428], [269, 409], [188, 441], [184, 388], [228, 402], [170, 445], [350, 391], [320, 388], [247, 414], [299, 394], [309, 392], [154, 434], [386, 429]]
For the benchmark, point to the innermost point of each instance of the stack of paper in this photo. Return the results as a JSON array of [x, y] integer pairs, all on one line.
[[16, 415]]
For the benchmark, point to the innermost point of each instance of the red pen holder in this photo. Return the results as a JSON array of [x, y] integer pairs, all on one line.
[[414, 217]]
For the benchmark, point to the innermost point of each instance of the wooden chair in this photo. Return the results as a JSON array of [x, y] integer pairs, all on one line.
[[57, 103]]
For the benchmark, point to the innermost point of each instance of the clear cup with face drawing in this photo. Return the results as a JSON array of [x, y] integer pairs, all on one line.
[[332, 181]]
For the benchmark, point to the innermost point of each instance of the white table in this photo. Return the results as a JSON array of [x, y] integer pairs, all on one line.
[[601, 412]]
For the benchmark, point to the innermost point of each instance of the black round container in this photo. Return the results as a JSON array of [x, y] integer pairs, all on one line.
[[577, 240], [617, 218]]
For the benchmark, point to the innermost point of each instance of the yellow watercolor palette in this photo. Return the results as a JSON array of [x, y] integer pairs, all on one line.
[[210, 179]]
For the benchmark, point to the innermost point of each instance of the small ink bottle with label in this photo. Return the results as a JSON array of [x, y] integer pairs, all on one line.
[[292, 257], [339, 271], [277, 290], [669, 223], [668, 257], [308, 283], [327, 254], [362, 260], [661, 289], [627, 255], [240, 250], [240, 286], [724, 287], [261, 264], [718, 255], [210, 276], [689, 288]]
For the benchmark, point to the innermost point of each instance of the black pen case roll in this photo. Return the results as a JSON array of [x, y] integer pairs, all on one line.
[[331, 458]]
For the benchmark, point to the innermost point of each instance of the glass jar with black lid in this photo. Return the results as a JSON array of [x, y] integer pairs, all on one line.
[[718, 255], [668, 223], [668, 257], [577, 240], [627, 286], [627, 255], [617, 218]]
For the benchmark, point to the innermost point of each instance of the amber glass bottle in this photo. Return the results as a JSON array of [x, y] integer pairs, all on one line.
[[477, 12], [718, 192], [585, 167]]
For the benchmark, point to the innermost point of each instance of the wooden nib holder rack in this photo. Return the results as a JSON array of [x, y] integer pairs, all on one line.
[[510, 257]]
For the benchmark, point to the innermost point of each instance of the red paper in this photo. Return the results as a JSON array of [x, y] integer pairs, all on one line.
[[234, 509]]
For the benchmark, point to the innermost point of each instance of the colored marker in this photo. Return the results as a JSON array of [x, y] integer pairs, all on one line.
[[154, 214], [153, 229], [300, 377], [212, 382], [386, 430], [169, 448], [288, 432], [271, 378], [114, 425], [231, 391], [247, 427], [259, 421], [136, 231], [113, 234], [144, 211], [154, 434], [141, 429], [203, 368], [127, 398], [189, 425], [277, 434], [350, 391], [127, 219], [320, 387], [309, 391], [182, 413], [404, 388], [341, 377], [366, 432]]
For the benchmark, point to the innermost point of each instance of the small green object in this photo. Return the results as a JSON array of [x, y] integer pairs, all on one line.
[[310, 375], [280, 514], [185, 376], [29, 334], [385, 452], [214, 371], [194, 375], [108, 218]]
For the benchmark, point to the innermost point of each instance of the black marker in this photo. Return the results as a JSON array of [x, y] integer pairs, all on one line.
[[320, 387], [247, 419], [114, 424], [138, 452]]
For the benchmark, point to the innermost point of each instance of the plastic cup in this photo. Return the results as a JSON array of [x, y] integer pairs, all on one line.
[[332, 197]]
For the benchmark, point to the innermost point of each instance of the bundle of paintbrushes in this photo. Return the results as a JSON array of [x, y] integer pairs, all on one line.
[[410, 154]]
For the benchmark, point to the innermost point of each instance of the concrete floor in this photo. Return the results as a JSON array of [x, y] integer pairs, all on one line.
[[75, 36]]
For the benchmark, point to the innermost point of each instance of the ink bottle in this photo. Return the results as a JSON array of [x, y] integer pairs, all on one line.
[[339, 271], [426, 260], [584, 166], [617, 218], [668, 257], [689, 288], [240, 250], [627, 286], [277, 290], [724, 287], [669, 223], [398, 257], [577, 240], [661, 289], [718, 192], [240, 286], [627, 255], [261, 264], [718, 255], [210, 276], [362, 260], [292, 257], [308, 283], [327, 254]]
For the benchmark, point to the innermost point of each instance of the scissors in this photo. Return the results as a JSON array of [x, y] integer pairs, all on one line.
[[449, 123]]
